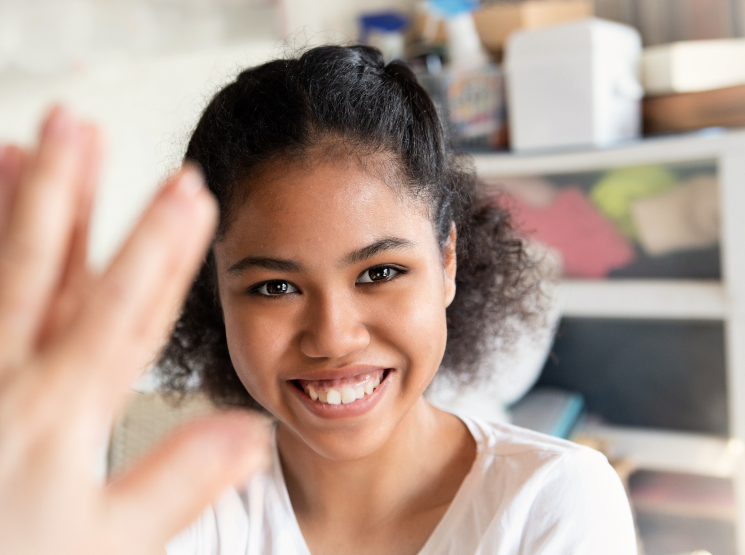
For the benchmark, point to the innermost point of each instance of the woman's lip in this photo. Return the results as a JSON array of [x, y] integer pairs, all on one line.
[[338, 374], [357, 408]]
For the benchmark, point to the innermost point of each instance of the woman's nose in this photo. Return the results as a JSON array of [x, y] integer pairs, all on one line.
[[334, 329]]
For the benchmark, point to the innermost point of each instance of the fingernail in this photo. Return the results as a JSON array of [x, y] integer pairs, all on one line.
[[190, 183], [60, 125]]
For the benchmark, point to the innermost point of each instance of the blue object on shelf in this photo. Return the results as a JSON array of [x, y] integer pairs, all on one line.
[[384, 31], [385, 22], [450, 8], [551, 411]]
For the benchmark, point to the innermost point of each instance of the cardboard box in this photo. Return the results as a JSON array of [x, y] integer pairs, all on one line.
[[495, 22], [674, 113]]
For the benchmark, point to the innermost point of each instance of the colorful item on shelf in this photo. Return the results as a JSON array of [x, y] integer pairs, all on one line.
[[618, 189], [685, 218], [589, 244], [474, 102]]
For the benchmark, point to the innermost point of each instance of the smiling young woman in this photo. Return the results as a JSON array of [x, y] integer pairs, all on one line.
[[329, 283], [317, 236], [352, 263]]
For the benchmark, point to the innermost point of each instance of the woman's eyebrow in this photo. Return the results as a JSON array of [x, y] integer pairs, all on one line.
[[276, 264], [354, 257], [387, 244]]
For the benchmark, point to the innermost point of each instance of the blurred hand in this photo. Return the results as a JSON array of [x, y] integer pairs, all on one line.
[[72, 341]]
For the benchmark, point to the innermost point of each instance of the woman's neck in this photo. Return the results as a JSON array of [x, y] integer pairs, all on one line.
[[416, 473]]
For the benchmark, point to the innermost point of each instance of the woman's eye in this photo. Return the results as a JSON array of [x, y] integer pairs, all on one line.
[[379, 273], [274, 288]]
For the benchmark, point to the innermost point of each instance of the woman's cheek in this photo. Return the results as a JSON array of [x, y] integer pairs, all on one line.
[[419, 329], [256, 343]]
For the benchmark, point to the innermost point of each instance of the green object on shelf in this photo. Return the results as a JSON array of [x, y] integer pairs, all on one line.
[[618, 189]]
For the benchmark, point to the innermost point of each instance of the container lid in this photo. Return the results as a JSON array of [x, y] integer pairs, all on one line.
[[389, 22], [578, 37], [451, 8]]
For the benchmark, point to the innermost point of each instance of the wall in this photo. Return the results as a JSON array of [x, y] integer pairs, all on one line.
[[147, 109], [148, 100], [321, 20]]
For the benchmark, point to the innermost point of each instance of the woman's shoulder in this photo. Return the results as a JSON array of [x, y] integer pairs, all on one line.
[[507, 440], [537, 493], [517, 455]]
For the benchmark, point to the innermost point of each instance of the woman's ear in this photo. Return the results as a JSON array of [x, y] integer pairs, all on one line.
[[449, 256]]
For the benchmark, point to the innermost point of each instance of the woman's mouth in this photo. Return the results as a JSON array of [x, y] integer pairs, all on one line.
[[343, 391]]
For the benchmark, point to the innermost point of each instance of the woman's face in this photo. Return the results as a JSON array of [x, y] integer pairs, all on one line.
[[331, 280]]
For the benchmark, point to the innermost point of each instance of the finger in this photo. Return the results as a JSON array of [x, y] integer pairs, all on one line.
[[168, 490], [33, 250], [132, 302], [93, 148], [12, 160], [77, 279]]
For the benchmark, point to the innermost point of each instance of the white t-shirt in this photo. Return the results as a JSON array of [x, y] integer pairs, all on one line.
[[526, 494]]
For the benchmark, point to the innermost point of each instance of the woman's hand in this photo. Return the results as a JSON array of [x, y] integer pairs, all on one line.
[[72, 341]]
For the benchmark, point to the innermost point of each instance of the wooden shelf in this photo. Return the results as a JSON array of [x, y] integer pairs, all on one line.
[[669, 451], [643, 299]]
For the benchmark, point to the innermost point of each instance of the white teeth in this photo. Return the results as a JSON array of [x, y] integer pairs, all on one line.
[[333, 397], [348, 395]]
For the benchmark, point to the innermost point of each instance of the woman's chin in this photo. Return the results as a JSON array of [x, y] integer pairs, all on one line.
[[349, 445]]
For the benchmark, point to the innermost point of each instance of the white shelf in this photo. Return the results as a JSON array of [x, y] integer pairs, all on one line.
[[667, 299], [685, 510], [695, 146], [643, 299], [669, 451]]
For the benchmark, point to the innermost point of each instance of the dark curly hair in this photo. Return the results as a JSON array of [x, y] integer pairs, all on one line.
[[282, 111]]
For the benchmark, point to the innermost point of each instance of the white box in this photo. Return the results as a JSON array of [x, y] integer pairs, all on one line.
[[573, 85], [693, 66]]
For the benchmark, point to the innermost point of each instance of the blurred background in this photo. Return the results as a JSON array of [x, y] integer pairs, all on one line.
[[614, 130]]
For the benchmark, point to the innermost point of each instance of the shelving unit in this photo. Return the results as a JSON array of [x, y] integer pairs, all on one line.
[[671, 451], [669, 299]]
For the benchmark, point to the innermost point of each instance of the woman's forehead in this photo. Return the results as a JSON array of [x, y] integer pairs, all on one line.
[[324, 207]]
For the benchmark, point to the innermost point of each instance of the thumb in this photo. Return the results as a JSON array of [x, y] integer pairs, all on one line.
[[171, 486]]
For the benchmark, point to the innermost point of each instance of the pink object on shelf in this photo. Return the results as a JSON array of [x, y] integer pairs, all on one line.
[[589, 244]]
